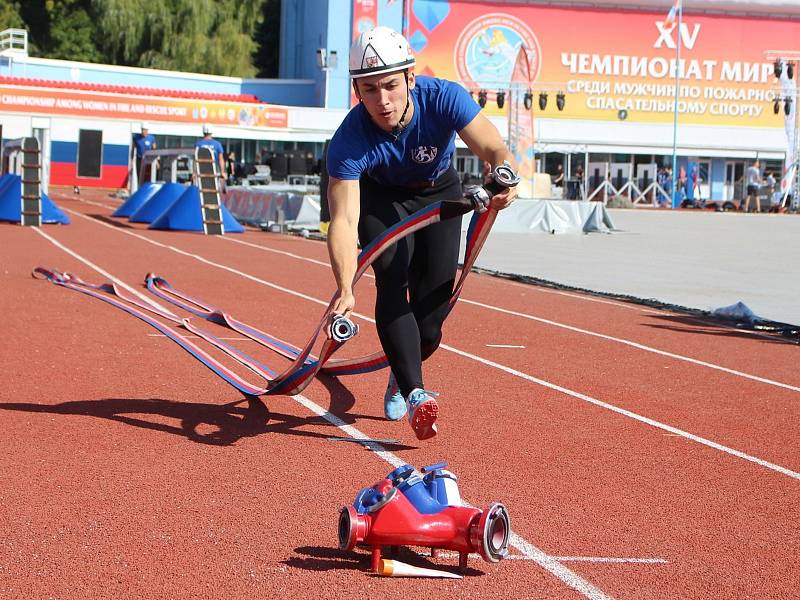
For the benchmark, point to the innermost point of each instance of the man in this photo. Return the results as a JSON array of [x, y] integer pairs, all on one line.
[[207, 141], [391, 156], [142, 142], [753, 183]]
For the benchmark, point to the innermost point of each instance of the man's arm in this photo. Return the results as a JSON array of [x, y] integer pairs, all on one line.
[[483, 139], [344, 203], [221, 160]]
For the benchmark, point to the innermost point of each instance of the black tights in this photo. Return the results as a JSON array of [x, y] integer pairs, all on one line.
[[415, 277]]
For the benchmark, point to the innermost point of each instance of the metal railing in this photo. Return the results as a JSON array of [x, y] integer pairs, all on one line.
[[14, 41]]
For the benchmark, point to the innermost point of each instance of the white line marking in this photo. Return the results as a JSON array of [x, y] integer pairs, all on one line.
[[509, 370], [636, 345], [110, 277], [503, 346], [289, 254], [627, 413], [370, 440], [606, 559]]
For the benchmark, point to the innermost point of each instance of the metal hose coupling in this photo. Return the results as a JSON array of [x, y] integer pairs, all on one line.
[[342, 328], [502, 178]]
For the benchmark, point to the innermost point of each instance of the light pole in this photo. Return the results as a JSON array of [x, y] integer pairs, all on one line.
[[327, 61], [787, 65]]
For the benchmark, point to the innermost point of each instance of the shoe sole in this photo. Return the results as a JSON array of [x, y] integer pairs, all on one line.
[[424, 420]]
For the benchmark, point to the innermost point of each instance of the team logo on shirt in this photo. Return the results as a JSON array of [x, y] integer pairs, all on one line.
[[424, 154]]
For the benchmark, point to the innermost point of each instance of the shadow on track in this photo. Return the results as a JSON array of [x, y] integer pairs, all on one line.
[[110, 221], [214, 424], [697, 325], [318, 558]]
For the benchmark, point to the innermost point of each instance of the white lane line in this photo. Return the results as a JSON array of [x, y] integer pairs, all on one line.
[[503, 346], [628, 413], [636, 345], [630, 343], [106, 274], [610, 559], [509, 370]]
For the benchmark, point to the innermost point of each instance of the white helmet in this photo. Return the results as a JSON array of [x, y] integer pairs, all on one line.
[[381, 50], [145, 126]]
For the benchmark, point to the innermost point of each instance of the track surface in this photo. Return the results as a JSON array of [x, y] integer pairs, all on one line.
[[641, 454]]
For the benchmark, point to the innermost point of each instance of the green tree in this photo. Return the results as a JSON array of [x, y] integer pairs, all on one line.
[[61, 29], [10, 16], [203, 36], [73, 35]]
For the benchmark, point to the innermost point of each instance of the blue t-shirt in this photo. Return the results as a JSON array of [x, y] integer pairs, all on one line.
[[215, 146], [425, 147], [143, 143]]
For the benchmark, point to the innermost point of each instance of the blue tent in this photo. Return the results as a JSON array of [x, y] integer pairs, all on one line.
[[11, 203], [185, 214], [158, 203], [142, 195]]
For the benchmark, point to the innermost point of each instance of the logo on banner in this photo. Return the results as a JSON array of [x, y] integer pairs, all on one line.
[[424, 154], [487, 48]]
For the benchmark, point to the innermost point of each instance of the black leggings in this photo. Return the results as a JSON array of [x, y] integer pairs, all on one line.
[[414, 277]]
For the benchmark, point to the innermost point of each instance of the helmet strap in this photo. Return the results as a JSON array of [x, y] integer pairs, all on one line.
[[401, 123]]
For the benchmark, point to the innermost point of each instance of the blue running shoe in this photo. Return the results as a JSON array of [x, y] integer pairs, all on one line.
[[394, 405], [422, 413]]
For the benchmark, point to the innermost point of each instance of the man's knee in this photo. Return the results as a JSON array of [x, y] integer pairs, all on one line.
[[429, 342]]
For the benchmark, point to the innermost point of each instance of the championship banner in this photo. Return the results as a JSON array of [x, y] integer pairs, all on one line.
[[610, 64], [520, 123], [32, 100]]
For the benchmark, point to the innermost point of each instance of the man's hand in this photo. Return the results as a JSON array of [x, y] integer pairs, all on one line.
[[344, 306], [504, 198]]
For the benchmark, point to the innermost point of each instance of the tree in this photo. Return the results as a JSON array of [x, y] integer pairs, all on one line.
[[187, 35], [10, 16], [61, 29]]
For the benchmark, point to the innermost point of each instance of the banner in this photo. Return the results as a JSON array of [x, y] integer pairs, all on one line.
[[520, 122], [365, 18], [117, 106], [611, 64]]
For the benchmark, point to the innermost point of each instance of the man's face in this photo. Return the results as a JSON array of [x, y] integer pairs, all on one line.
[[384, 97], [145, 131]]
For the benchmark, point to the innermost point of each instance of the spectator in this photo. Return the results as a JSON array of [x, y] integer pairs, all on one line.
[[231, 164], [665, 181], [558, 178], [575, 184], [754, 181]]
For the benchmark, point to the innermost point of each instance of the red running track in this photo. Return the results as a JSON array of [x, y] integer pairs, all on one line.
[[641, 453]]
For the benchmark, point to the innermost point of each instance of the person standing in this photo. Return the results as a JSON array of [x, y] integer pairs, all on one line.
[[391, 156], [754, 181], [142, 142], [208, 141]]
